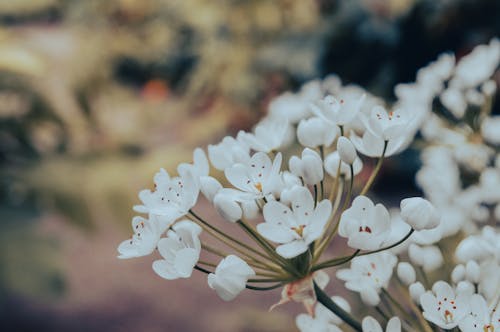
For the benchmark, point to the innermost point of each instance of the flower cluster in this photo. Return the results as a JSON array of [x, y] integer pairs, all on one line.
[[285, 207]]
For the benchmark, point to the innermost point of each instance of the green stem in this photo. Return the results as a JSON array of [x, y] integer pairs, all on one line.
[[263, 288], [391, 246], [335, 262], [325, 300], [375, 171]]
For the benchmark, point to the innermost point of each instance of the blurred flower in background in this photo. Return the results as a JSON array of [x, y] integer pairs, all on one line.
[[95, 96]]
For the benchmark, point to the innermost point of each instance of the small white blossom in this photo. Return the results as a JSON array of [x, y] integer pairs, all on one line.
[[294, 227], [270, 134], [144, 240], [442, 307], [230, 277], [332, 166], [258, 177], [406, 273], [228, 152], [419, 213], [429, 257], [346, 149], [316, 132], [171, 200], [227, 207], [180, 251], [369, 272], [338, 112], [309, 167], [370, 324], [480, 318], [364, 224]]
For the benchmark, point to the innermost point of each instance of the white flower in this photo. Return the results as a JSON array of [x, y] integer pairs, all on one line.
[[332, 164], [416, 290], [364, 224], [490, 129], [198, 168], [372, 146], [180, 251], [388, 125], [316, 132], [294, 227], [307, 323], [480, 318], [429, 258], [444, 308], [477, 66], [454, 101], [419, 213], [144, 240], [258, 177], [369, 272], [337, 112], [370, 324], [269, 135], [171, 200], [346, 150], [228, 152], [209, 187], [309, 167], [227, 207], [406, 273], [230, 277]]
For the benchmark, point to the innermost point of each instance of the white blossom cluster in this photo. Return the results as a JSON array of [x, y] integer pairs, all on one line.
[[293, 188]]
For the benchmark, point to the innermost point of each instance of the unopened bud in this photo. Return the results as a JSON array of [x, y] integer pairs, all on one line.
[[406, 273], [209, 186], [419, 213], [416, 290], [227, 207], [472, 272], [346, 150]]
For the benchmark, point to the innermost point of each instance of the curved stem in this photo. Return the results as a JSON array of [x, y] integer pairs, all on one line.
[[391, 246], [325, 300], [263, 288], [199, 268], [336, 261], [375, 171], [267, 247]]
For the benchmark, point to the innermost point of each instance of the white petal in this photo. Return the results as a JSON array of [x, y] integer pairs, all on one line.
[[276, 233], [185, 260], [292, 249]]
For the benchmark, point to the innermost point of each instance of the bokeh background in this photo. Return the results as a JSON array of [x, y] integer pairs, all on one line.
[[96, 96]]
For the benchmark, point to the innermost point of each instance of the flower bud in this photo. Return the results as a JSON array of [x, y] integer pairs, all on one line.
[[209, 186], [346, 150], [429, 258], [416, 290], [406, 273], [250, 209], [370, 297], [472, 272], [458, 273], [465, 287], [309, 168], [227, 207], [314, 132], [419, 213]]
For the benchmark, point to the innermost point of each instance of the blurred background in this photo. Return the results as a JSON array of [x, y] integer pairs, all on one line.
[[96, 96]]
